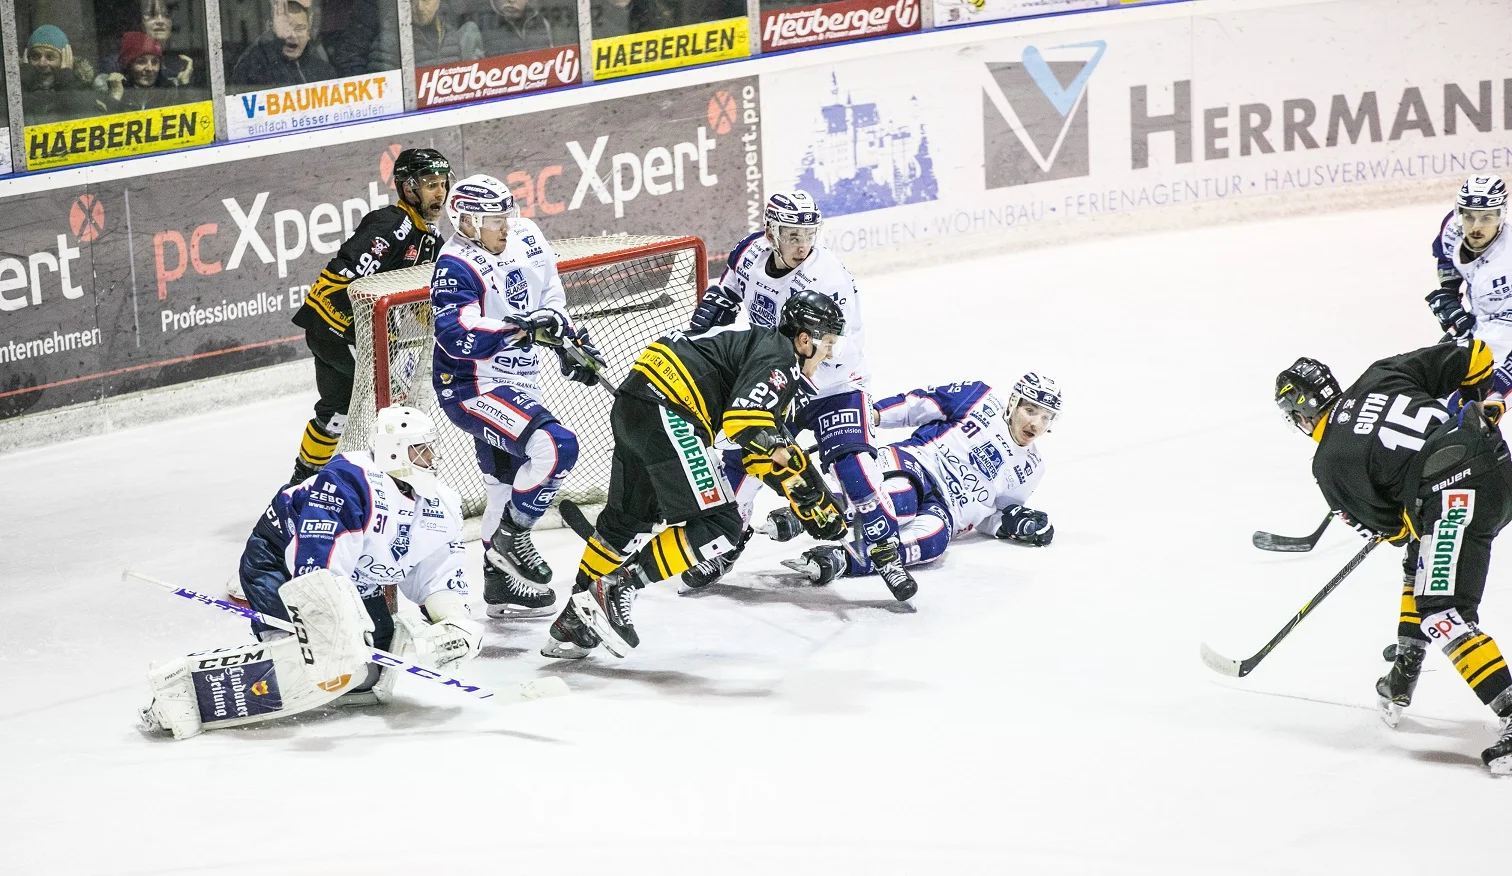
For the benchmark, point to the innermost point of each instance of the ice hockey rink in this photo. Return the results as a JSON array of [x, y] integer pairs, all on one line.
[[1032, 711]]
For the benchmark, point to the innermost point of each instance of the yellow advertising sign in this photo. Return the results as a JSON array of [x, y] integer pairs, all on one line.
[[119, 136], [671, 47]]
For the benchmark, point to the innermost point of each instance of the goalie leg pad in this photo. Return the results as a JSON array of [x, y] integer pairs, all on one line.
[[260, 681]]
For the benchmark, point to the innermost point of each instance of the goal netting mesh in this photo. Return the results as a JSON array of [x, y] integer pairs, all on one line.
[[626, 290]]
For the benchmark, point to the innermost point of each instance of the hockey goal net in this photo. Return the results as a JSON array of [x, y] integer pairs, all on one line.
[[626, 290]]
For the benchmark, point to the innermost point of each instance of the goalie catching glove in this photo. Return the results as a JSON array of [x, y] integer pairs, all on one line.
[[798, 480]]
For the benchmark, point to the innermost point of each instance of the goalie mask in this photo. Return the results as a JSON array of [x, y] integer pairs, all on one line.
[[488, 206], [1482, 210], [792, 226], [404, 445], [1033, 405], [1304, 393]]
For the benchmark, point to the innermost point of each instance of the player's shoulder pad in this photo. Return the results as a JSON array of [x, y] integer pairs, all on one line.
[[751, 245], [456, 267], [342, 484]]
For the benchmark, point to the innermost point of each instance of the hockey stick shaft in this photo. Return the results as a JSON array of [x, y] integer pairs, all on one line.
[[550, 686], [578, 357], [657, 303], [1269, 541], [1241, 668]]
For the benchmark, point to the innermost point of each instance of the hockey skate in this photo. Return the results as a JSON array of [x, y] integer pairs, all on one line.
[[508, 596], [1394, 689], [511, 548], [605, 608], [887, 563], [822, 564], [709, 572], [1498, 758], [570, 638]]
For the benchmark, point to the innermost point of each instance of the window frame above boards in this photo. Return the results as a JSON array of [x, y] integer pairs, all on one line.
[[232, 70]]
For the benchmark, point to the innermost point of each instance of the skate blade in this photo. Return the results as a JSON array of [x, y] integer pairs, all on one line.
[[805, 568], [502, 562], [518, 611], [1391, 713], [588, 611], [563, 650], [1501, 766]]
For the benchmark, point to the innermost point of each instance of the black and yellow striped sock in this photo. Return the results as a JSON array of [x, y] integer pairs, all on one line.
[[668, 554], [316, 447], [1410, 624], [598, 560], [1481, 664]]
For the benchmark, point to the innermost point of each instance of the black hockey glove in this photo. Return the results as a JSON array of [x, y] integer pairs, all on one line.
[[1450, 312], [546, 327], [717, 307], [577, 371], [1027, 526]]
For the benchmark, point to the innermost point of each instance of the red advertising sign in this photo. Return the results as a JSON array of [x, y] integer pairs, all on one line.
[[447, 84], [834, 22]]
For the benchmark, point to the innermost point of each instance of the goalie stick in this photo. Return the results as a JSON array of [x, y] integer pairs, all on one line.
[[550, 686], [1269, 541], [1240, 668]]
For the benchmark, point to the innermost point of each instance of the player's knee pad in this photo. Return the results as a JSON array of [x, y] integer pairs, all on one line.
[[260, 681], [676, 549], [861, 478], [554, 444], [551, 451], [905, 499]]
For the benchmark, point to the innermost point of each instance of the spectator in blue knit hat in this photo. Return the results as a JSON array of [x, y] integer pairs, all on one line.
[[52, 88]]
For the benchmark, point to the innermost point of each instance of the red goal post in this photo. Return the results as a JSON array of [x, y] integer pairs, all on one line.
[[625, 290]]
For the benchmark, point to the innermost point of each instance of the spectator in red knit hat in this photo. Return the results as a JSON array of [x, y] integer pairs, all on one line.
[[141, 83]]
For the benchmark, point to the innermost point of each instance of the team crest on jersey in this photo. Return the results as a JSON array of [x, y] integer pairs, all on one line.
[[1441, 561], [778, 379], [516, 290], [988, 459], [763, 311], [380, 246], [411, 254], [401, 543]]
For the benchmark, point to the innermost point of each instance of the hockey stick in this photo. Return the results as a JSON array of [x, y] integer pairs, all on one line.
[[581, 359], [575, 519], [1240, 668], [657, 303], [1269, 541], [550, 686]]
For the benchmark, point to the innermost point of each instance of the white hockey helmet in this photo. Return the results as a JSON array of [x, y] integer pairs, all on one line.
[[395, 431], [1482, 202], [795, 209], [1038, 390], [478, 196]]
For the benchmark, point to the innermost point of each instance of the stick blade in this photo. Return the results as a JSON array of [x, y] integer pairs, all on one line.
[[1221, 664], [1269, 541]]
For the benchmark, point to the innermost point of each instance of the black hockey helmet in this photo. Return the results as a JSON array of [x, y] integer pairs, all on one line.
[[415, 163], [809, 311], [1305, 391]]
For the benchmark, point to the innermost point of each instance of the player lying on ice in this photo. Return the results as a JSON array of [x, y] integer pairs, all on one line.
[[971, 463], [319, 557], [682, 391]]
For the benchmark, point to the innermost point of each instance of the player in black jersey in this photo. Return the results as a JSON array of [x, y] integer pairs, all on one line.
[[397, 236], [680, 393], [1399, 464]]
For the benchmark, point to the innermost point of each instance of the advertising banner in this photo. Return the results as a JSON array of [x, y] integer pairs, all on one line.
[[684, 161], [1136, 115], [446, 84], [150, 281], [299, 107], [671, 47], [799, 26], [952, 12], [121, 135]]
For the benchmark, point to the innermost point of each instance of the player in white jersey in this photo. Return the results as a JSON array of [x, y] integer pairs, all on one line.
[[1473, 252], [970, 464], [319, 557], [763, 271], [496, 299]]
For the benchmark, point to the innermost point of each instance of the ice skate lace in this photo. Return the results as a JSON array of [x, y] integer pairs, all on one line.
[[521, 587], [623, 597], [524, 550]]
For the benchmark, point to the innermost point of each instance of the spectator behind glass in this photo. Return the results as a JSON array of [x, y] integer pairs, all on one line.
[[142, 83], [53, 87], [361, 36], [286, 54], [611, 18], [513, 26], [437, 42], [157, 24]]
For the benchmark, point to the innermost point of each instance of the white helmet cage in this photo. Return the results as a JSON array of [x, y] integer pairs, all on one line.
[[479, 195], [395, 431]]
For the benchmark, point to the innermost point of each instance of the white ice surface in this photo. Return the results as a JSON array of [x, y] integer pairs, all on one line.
[[1035, 711]]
